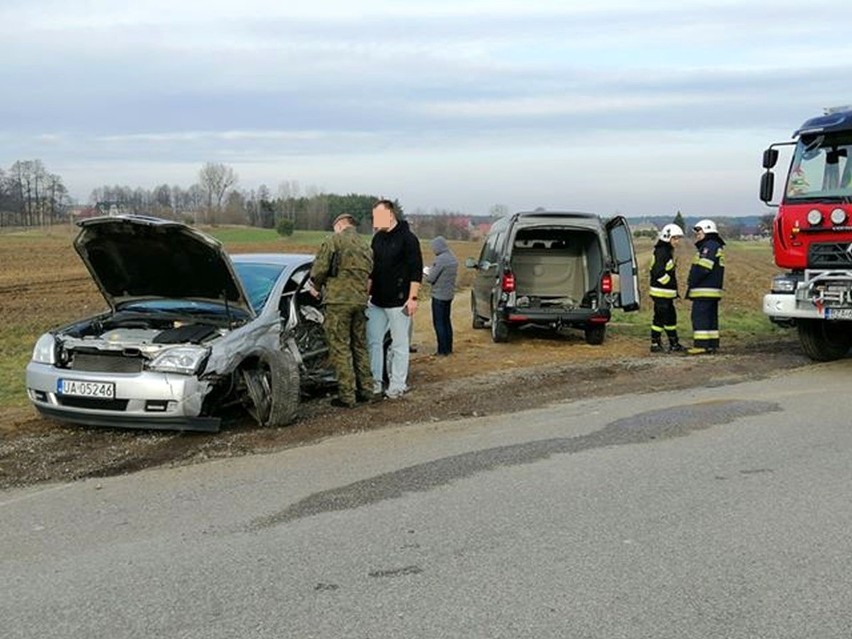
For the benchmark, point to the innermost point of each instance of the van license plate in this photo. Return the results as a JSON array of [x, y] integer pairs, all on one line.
[[79, 388], [838, 313]]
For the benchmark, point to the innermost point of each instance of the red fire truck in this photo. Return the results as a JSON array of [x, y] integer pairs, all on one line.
[[812, 235]]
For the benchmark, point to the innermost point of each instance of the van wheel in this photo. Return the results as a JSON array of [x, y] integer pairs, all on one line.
[[499, 329], [478, 322], [595, 334]]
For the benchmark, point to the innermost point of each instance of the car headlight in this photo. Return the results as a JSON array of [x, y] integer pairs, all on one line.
[[44, 351], [185, 360]]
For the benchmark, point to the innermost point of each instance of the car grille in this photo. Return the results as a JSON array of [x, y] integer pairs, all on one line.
[[92, 403], [106, 362], [830, 254]]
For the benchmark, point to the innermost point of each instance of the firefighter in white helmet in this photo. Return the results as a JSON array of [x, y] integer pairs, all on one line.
[[704, 287], [663, 289]]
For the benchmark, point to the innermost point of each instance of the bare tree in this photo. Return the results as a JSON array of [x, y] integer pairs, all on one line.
[[216, 179], [288, 193], [235, 208], [498, 210]]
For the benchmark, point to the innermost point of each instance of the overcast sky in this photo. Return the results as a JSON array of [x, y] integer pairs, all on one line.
[[606, 106]]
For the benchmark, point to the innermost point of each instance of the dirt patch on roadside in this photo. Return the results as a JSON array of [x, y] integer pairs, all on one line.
[[481, 379]]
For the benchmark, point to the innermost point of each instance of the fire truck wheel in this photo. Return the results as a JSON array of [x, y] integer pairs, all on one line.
[[824, 341]]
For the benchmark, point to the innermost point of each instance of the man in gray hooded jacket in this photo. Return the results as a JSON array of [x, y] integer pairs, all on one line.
[[442, 276]]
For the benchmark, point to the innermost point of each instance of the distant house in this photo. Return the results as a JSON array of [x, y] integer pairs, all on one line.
[[82, 212], [480, 230]]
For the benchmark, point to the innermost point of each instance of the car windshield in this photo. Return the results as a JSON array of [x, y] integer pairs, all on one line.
[[258, 280], [179, 307], [821, 168]]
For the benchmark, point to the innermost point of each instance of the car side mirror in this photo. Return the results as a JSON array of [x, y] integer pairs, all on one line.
[[471, 263]]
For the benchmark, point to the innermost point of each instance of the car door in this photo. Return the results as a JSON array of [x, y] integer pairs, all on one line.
[[623, 257]]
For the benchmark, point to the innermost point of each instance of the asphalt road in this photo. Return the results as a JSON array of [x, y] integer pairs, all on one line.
[[715, 512]]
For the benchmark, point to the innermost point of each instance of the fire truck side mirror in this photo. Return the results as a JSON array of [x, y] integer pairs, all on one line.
[[767, 186], [770, 158]]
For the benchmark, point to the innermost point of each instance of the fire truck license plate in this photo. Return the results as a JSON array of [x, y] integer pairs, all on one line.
[[838, 313], [102, 390]]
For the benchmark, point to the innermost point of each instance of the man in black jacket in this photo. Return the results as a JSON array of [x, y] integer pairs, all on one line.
[[394, 284]]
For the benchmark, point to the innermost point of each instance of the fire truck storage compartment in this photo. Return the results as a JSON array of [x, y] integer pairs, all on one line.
[[556, 265]]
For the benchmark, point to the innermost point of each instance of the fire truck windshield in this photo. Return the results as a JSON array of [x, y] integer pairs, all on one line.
[[821, 169]]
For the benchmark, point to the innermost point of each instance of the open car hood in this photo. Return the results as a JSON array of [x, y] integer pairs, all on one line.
[[135, 257]]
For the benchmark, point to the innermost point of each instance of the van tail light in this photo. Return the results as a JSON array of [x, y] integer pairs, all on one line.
[[606, 283], [507, 283]]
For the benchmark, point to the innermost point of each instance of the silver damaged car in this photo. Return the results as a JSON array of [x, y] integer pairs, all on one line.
[[191, 334]]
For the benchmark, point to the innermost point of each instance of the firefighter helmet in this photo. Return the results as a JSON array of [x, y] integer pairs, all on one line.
[[669, 231], [708, 226]]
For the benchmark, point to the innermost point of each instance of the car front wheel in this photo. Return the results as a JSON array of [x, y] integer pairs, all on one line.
[[272, 389]]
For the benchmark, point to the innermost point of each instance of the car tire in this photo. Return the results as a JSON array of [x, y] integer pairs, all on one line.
[[272, 389], [477, 322], [595, 334], [499, 329]]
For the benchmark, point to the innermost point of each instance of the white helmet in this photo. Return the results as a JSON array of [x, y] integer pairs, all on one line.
[[669, 231], [708, 226]]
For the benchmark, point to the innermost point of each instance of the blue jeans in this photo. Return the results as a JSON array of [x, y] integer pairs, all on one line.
[[379, 320], [443, 325]]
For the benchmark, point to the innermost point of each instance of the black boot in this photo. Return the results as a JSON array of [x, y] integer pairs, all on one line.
[[674, 345], [656, 341]]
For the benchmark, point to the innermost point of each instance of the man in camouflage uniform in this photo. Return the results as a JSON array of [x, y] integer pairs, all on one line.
[[342, 267]]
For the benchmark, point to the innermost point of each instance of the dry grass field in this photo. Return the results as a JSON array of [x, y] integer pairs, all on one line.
[[44, 284]]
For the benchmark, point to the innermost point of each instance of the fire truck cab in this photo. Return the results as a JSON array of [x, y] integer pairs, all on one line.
[[812, 235]]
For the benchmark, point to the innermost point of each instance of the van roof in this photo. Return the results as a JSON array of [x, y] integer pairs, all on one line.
[[545, 213]]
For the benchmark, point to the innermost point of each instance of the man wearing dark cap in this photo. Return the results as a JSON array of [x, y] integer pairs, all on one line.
[[342, 270]]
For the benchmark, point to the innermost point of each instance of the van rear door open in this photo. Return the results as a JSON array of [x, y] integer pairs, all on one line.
[[624, 263]]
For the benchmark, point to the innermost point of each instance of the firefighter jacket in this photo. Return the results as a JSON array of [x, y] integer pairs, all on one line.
[[707, 272], [663, 274], [343, 264]]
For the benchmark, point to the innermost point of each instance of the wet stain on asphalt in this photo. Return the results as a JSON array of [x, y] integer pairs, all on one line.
[[642, 428], [396, 572]]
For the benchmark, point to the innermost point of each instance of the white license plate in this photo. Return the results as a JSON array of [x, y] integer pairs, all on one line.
[[838, 313], [79, 388]]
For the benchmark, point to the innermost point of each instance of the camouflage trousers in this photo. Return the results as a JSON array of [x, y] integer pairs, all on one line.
[[346, 333]]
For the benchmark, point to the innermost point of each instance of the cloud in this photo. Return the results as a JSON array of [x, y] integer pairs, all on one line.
[[328, 88]]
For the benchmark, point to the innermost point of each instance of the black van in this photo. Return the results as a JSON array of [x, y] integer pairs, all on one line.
[[554, 269]]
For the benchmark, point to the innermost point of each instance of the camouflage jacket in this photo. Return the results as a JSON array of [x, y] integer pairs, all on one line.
[[355, 261]]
